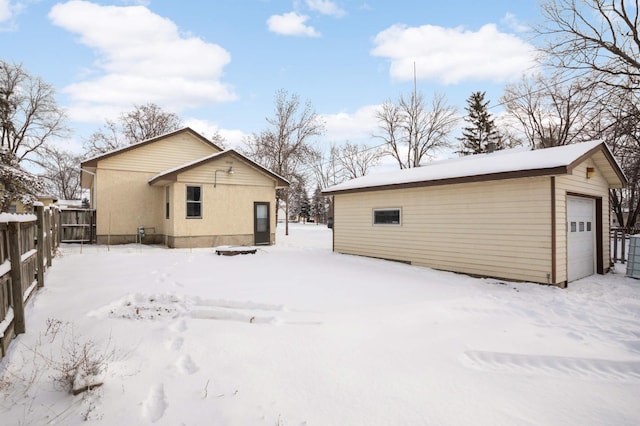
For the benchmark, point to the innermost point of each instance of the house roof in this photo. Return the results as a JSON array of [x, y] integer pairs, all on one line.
[[505, 164], [172, 174], [93, 161]]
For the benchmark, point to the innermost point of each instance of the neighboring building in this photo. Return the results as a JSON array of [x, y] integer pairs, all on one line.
[[181, 190], [539, 216], [17, 206]]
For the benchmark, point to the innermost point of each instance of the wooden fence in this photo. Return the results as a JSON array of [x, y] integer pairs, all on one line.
[[78, 226], [619, 239], [27, 247]]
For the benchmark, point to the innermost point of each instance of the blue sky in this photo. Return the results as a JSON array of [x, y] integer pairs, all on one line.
[[218, 64]]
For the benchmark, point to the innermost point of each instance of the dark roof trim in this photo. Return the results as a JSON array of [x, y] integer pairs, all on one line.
[[608, 155], [465, 179], [173, 174], [93, 162]]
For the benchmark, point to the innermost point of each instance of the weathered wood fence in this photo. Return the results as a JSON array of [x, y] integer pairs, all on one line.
[[78, 226], [27, 246]]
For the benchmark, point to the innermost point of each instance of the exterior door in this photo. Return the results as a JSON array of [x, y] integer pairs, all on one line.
[[261, 224], [581, 241]]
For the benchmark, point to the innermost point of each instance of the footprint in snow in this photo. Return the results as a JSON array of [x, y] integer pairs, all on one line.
[[175, 344], [186, 365], [154, 406]]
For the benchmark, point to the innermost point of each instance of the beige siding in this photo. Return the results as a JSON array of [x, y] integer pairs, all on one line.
[[499, 229], [226, 209], [161, 155], [577, 183], [126, 202], [243, 174]]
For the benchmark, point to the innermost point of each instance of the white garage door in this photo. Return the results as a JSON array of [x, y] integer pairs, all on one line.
[[581, 238]]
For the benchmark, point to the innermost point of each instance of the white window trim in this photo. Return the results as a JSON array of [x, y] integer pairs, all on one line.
[[373, 216]]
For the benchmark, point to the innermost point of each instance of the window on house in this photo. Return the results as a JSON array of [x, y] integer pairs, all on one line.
[[13, 208], [386, 216], [194, 201], [166, 201]]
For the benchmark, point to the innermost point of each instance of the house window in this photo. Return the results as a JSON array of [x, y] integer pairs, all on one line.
[[386, 216], [194, 202], [166, 201], [13, 208]]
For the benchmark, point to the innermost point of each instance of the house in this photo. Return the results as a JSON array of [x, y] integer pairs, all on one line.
[[540, 216], [181, 190], [18, 206]]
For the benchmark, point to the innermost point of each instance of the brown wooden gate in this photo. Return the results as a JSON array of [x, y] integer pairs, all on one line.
[[78, 226]]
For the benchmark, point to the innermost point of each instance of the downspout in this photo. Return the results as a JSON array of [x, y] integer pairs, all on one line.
[[94, 193]]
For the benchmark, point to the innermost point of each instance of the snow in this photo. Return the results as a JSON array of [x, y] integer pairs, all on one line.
[[5, 267], [298, 335], [508, 160], [4, 324], [17, 217]]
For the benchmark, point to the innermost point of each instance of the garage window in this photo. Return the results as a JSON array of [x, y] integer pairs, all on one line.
[[386, 216]]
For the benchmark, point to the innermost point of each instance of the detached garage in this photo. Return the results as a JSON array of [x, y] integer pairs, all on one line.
[[540, 216]]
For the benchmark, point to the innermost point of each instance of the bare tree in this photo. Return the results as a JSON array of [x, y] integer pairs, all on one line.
[[411, 132], [550, 113], [143, 122], [598, 36], [620, 124], [284, 147], [357, 160], [29, 115], [218, 139], [326, 166], [60, 172]]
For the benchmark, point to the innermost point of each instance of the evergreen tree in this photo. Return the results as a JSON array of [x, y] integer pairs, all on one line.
[[319, 206], [481, 132], [299, 201]]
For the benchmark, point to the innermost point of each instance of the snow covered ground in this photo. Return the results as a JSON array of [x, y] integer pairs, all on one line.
[[298, 335]]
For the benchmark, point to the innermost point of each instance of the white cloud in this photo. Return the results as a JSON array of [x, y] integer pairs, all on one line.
[[233, 138], [5, 10], [511, 21], [141, 57], [291, 23], [453, 55], [356, 127], [326, 7]]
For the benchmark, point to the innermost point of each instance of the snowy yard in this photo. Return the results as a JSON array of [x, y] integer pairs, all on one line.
[[298, 335]]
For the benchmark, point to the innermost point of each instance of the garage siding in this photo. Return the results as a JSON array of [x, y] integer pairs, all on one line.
[[498, 228]]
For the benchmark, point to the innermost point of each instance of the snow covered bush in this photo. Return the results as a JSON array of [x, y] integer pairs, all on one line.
[[16, 183], [81, 365]]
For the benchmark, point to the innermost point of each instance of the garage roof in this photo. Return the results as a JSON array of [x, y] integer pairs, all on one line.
[[504, 164]]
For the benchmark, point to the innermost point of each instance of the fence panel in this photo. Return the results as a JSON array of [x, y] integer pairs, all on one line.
[[4, 243], [77, 225], [19, 258], [5, 279]]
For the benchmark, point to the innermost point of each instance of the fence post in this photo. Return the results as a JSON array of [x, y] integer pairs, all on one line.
[[49, 236], [15, 254], [41, 245]]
